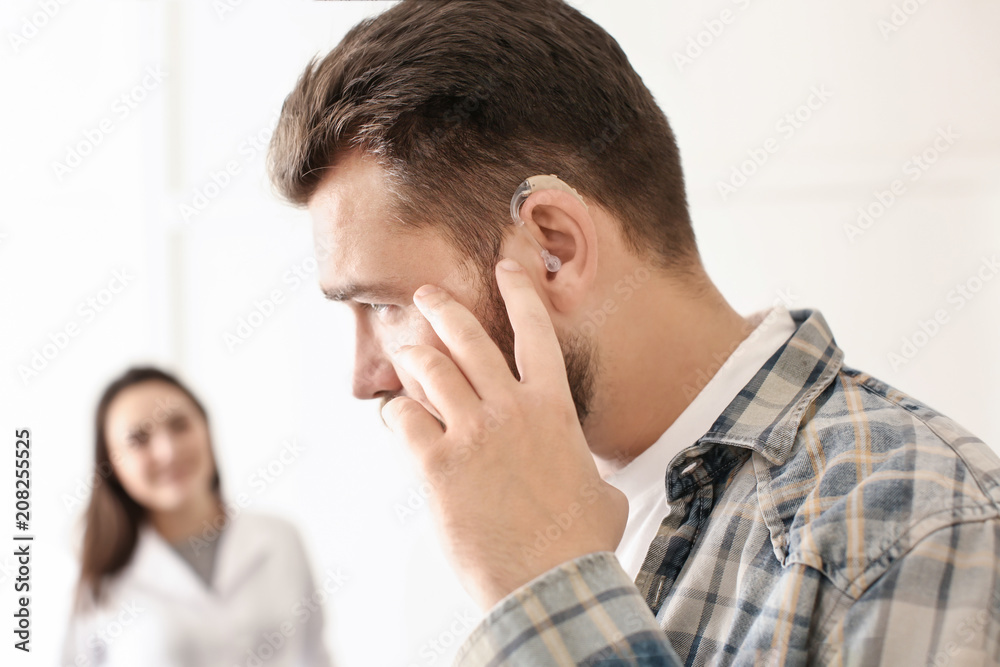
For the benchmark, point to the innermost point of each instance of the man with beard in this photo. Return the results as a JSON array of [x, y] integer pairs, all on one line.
[[623, 466]]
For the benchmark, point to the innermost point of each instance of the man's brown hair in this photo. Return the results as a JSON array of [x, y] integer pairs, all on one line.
[[459, 101]]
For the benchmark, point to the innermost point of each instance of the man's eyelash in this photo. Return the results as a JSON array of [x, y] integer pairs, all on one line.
[[376, 307]]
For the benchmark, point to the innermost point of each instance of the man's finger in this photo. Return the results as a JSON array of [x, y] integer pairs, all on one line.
[[474, 352], [410, 420], [536, 348], [441, 381]]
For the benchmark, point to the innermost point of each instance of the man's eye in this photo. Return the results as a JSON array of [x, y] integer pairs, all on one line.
[[377, 308]]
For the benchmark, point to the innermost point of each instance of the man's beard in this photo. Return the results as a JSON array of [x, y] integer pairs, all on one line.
[[579, 352]]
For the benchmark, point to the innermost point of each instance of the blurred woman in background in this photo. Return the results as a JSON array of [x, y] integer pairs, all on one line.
[[171, 574]]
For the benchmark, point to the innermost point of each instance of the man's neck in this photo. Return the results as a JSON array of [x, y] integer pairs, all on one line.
[[656, 358]]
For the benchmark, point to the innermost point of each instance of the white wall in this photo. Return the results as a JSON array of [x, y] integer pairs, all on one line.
[[784, 230]]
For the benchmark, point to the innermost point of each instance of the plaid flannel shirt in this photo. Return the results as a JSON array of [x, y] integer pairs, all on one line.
[[825, 518]]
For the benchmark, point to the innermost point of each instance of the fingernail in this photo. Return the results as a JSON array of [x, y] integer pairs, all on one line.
[[508, 264], [425, 290]]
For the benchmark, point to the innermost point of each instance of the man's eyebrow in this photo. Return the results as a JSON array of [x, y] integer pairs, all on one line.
[[382, 291]]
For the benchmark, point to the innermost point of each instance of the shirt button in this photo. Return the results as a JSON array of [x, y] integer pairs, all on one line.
[[691, 466]]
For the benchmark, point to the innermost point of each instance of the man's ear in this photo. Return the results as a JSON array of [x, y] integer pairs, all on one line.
[[564, 227]]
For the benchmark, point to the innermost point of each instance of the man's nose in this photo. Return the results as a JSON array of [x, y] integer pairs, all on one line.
[[374, 375]]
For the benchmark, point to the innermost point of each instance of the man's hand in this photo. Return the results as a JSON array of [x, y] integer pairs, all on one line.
[[515, 489]]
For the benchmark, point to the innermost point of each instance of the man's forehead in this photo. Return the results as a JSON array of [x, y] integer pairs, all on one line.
[[390, 273], [352, 207], [356, 184], [364, 250]]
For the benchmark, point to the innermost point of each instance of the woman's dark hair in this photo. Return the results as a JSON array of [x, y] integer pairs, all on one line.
[[112, 517]]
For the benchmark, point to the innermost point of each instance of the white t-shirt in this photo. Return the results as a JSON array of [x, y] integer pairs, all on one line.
[[643, 479]]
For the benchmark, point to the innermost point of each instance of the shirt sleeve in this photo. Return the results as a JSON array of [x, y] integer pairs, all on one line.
[[583, 612], [315, 653], [76, 650], [938, 604], [314, 649]]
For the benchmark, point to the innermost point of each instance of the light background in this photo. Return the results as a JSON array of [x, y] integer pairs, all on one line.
[[783, 232]]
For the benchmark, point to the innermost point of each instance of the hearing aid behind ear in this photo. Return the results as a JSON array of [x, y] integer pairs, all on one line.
[[533, 184]]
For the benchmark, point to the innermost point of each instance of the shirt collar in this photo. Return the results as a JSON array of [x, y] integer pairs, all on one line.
[[765, 415], [243, 548], [771, 329]]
